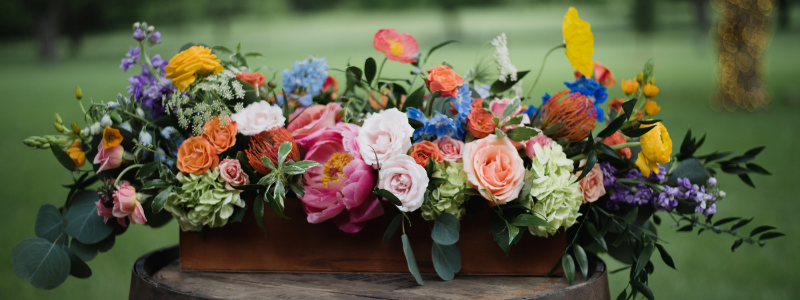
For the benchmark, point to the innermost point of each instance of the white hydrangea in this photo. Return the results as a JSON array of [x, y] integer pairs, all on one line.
[[507, 70], [557, 195]]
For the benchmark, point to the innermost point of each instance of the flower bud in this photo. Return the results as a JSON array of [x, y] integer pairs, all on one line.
[[105, 121], [722, 194], [116, 118], [112, 105], [150, 29], [75, 128], [48, 139], [31, 142], [651, 80], [143, 25], [712, 181], [140, 112], [145, 138], [95, 128], [271, 84], [78, 92], [629, 86], [650, 90], [126, 125], [136, 25], [58, 127], [640, 77], [139, 35], [58, 119]]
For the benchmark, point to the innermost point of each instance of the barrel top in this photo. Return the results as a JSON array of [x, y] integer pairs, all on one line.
[[158, 275]]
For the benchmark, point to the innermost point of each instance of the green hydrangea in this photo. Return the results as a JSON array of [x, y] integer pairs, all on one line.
[[446, 197], [202, 200], [557, 197]]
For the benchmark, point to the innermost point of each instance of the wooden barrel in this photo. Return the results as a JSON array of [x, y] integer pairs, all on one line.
[[157, 275]]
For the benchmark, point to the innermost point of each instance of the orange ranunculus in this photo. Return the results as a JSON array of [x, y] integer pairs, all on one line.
[[396, 46], [196, 155], [425, 150], [443, 79], [629, 86], [184, 66], [384, 99], [616, 139], [254, 79], [479, 123], [220, 136], [111, 137], [651, 107], [616, 104], [601, 74], [75, 152], [650, 90], [332, 84]]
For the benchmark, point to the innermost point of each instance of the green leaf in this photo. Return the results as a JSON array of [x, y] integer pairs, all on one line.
[[283, 152], [513, 121], [266, 181], [268, 163], [389, 196], [637, 132], [161, 199], [78, 267], [63, 158], [258, 211], [623, 295], [83, 251], [760, 229], [222, 49], [611, 128], [580, 257], [619, 270], [665, 256], [440, 45], [446, 260], [306, 164], [254, 54], [587, 168], [369, 69], [552, 129], [725, 221], [740, 223], [83, 222], [355, 72], [44, 263], [412, 262], [445, 229], [642, 288], [643, 258], [298, 189], [520, 134], [691, 168], [528, 220], [621, 238], [499, 133], [392, 228], [292, 170], [631, 216], [758, 169], [415, 99], [499, 86], [147, 170], [511, 108], [746, 179], [569, 267], [155, 183], [513, 232], [592, 230], [770, 235], [605, 149], [628, 107], [275, 205], [414, 123], [48, 223], [736, 244], [497, 227]]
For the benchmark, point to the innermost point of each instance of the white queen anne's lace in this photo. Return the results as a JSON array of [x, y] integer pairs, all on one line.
[[507, 70]]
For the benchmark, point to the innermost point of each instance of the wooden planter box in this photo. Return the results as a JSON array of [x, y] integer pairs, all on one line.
[[297, 246]]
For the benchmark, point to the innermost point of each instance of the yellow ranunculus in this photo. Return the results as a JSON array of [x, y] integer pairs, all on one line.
[[656, 149], [580, 42], [184, 67], [651, 107]]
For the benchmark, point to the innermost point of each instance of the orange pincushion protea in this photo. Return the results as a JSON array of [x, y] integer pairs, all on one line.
[[576, 112], [266, 144]]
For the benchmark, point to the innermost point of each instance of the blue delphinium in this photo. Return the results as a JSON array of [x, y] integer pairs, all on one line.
[[463, 105], [591, 89], [305, 76], [532, 109], [439, 126], [149, 90]]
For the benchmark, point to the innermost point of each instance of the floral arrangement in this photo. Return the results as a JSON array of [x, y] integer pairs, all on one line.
[[204, 138]]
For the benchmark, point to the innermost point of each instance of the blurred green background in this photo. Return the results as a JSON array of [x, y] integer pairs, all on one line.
[[33, 89]]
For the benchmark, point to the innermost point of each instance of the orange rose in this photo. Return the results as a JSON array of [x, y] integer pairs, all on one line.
[[254, 79], [425, 150], [479, 123], [443, 79], [76, 153], [494, 167], [196, 155], [616, 139], [221, 137]]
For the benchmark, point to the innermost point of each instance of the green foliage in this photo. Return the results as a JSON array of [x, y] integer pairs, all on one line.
[[445, 229], [392, 228], [500, 87], [446, 260], [83, 222], [44, 263], [49, 225], [412, 262]]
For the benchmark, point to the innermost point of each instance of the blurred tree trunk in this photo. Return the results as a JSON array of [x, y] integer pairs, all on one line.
[[644, 15], [783, 14], [701, 16], [46, 23]]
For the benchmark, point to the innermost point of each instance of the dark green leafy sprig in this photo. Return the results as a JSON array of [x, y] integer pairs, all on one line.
[[759, 235]]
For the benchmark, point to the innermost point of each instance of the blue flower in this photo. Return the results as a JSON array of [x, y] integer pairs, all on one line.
[[591, 89], [305, 76], [463, 105], [483, 91], [416, 114], [440, 126]]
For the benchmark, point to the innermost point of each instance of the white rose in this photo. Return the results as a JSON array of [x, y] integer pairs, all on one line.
[[258, 117], [384, 136], [404, 178]]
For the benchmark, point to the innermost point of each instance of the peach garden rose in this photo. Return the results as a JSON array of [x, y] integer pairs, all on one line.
[[494, 167], [196, 155], [220, 136]]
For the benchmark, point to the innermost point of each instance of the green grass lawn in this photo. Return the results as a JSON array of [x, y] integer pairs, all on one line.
[[685, 72]]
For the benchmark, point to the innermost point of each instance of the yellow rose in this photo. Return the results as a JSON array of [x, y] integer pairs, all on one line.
[[651, 107], [580, 42], [656, 149], [184, 67]]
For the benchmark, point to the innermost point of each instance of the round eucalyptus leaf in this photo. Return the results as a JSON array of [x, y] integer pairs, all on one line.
[[43, 262], [48, 223], [83, 251], [78, 267], [446, 260], [445, 229], [83, 222]]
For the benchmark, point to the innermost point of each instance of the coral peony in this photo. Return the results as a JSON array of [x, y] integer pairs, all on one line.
[[494, 167], [397, 47], [256, 80]]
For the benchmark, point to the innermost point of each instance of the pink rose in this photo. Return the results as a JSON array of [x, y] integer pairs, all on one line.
[[342, 188], [125, 205], [404, 178], [384, 136], [306, 121], [450, 148], [231, 172], [108, 159], [540, 139], [592, 184], [498, 106], [494, 165]]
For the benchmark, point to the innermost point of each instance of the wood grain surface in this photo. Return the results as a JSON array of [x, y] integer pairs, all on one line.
[[297, 246], [158, 276]]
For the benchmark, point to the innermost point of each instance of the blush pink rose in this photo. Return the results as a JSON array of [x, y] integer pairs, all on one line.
[[125, 205], [307, 121], [450, 148], [108, 159], [403, 177], [231, 172], [540, 139], [343, 189], [494, 165], [592, 184], [383, 136]]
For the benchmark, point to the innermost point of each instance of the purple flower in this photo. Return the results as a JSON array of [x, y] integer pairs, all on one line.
[[666, 200], [155, 38], [130, 58], [126, 64], [139, 35], [609, 179]]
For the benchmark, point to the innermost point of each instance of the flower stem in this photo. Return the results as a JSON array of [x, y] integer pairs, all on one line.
[[380, 70], [542, 68], [615, 147], [137, 117], [116, 182], [657, 187]]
